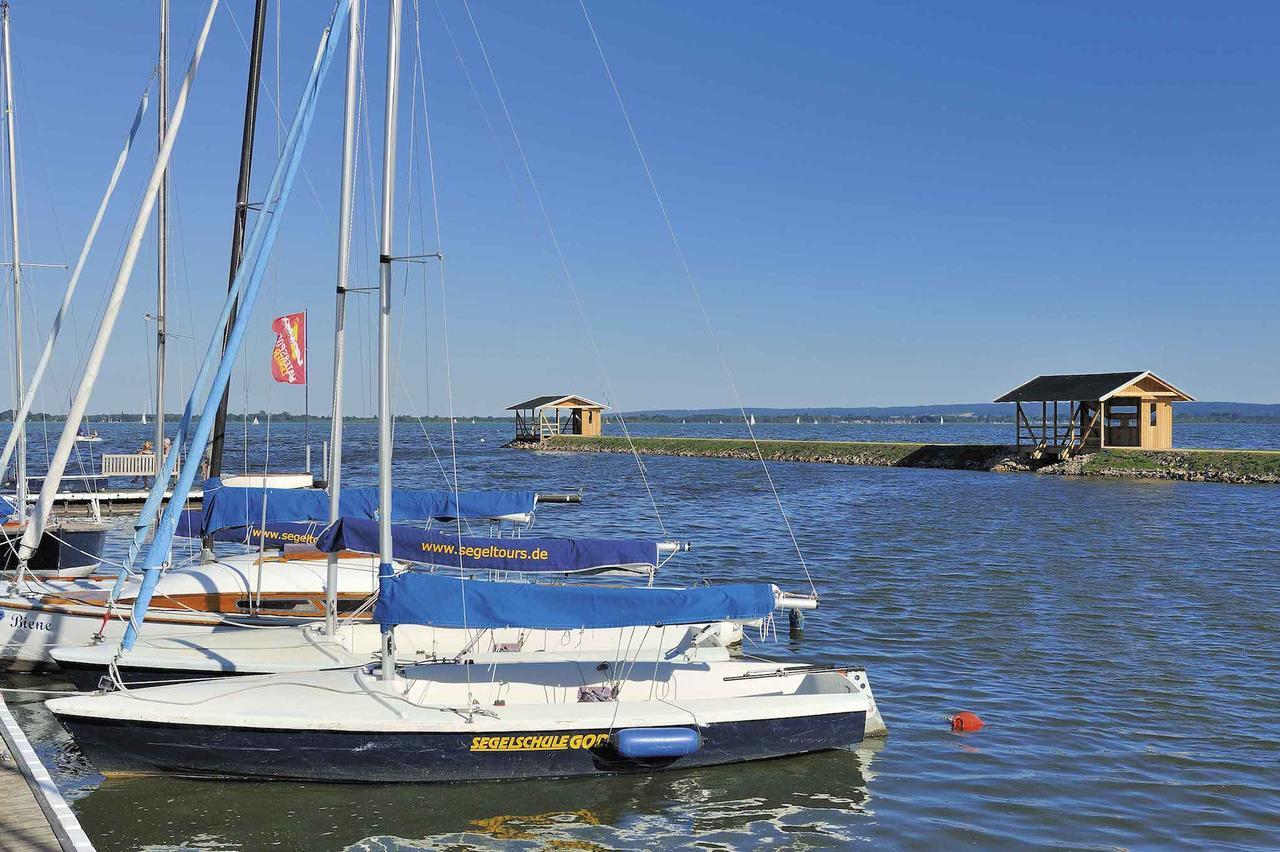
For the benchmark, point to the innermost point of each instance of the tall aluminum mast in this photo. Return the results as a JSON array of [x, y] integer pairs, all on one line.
[[162, 227], [19, 386], [384, 318], [340, 317], [93, 364]]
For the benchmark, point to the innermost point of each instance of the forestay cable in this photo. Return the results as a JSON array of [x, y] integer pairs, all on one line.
[[564, 268], [697, 295]]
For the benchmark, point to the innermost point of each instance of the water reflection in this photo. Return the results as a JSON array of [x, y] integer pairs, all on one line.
[[1117, 636], [817, 799]]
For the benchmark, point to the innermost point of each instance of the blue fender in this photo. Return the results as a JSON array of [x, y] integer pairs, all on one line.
[[641, 743]]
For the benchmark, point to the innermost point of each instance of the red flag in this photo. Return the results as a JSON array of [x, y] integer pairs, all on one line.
[[288, 357]]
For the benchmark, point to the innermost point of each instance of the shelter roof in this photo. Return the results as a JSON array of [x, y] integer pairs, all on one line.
[[554, 401], [1091, 386]]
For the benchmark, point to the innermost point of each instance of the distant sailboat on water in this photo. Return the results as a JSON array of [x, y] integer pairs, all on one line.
[[753, 420], [797, 421], [255, 421]]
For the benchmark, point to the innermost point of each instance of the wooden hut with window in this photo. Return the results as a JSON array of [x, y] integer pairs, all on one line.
[[1085, 412], [566, 414]]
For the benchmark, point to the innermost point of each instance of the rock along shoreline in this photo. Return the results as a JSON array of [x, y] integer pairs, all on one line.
[[1230, 466]]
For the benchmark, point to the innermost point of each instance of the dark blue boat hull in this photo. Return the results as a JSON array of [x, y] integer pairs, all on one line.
[[59, 551], [382, 757]]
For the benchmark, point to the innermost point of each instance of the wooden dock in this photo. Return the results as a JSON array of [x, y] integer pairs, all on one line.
[[33, 814], [119, 501]]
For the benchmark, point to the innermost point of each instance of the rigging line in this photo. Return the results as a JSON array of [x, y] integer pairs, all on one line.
[[697, 295], [415, 181], [275, 107], [435, 212], [82, 356], [180, 233], [444, 475], [279, 117], [369, 233], [475, 93], [33, 127], [564, 267], [420, 89], [444, 308], [408, 226]]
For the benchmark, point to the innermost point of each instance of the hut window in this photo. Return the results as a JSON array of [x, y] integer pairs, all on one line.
[[1153, 413]]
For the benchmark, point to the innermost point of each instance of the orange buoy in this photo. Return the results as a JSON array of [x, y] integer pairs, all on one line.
[[965, 721]]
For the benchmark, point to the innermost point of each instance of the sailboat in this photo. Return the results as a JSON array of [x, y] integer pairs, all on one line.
[[797, 421], [143, 421], [46, 613], [753, 420], [265, 516], [456, 719], [64, 548]]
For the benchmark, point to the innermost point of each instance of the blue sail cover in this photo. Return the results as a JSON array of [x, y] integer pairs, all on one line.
[[272, 535], [226, 506], [437, 600], [6, 508], [445, 548]]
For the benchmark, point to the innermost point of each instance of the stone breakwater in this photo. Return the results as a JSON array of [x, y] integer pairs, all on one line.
[[1234, 466]]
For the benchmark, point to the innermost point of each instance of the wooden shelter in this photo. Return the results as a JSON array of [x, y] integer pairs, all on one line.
[[1091, 411], [568, 414]]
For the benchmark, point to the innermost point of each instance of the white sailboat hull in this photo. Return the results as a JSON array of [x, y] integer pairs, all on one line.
[[238, 591], [232, 651], [450, 722]]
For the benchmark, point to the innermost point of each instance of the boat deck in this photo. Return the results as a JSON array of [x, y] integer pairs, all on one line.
[[33, 814]]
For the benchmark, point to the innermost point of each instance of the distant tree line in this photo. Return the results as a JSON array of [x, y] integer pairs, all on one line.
[[646, 417]]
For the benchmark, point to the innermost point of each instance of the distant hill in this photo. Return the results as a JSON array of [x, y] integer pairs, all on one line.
[[1253, 412]]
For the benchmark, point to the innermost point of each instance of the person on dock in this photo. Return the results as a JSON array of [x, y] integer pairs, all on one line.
[[147, 450]]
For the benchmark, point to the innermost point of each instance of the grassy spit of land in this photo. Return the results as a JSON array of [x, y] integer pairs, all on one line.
[[1238, 466]]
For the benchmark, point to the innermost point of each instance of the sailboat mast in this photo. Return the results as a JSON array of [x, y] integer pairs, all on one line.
[[340, 316], [42, 363], [107, 321], [241, 217], [389, 126], [162, 226], [19, 388]]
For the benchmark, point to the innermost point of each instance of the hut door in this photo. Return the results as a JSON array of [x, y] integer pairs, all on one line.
[[1122, 422]]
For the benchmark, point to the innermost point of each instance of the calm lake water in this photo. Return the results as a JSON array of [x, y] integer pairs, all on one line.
[[1118, 637]]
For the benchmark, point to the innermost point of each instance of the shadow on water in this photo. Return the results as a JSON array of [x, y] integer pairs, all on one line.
[[814, 800]]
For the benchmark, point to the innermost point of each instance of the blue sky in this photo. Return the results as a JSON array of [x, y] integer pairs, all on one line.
[[882, 203]]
